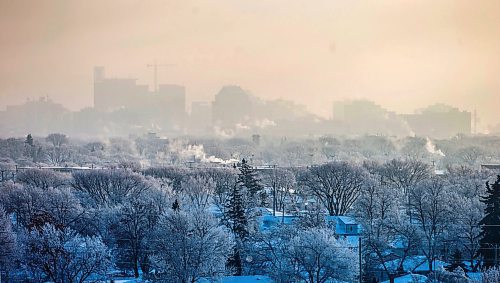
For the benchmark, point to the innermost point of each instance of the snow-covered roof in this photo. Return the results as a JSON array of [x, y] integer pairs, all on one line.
[[344, 219], [439, 172], [347, 220]]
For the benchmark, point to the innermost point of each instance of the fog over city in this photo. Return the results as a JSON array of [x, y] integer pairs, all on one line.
[[403, 56], [264, 141]]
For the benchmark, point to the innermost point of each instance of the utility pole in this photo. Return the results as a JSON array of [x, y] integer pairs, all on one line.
[[155, 73], [496, 255], [360, 255]]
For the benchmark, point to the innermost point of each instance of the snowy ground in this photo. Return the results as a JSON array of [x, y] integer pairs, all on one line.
[[227, 279], [410, 278], [242, 279]]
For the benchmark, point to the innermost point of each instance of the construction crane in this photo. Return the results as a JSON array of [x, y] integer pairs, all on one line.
[[155, 70]]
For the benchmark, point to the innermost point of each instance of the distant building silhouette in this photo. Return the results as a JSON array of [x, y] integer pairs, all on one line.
[[200, 122], [170, 104], [232, 105], [38, 117], [440, 121], [112, 94], [163, 111], [365, 117], [359, 117]]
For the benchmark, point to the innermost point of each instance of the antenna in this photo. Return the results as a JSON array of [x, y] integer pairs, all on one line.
[[155, 73]]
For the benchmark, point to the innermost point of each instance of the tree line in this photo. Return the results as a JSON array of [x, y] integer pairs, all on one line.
[[182, 224]]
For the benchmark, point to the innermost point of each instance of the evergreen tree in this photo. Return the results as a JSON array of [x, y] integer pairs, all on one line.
[[236, 216], [247, 178], [490, 231], [29, 140], [176, 206], [234, 262], [237, 221]]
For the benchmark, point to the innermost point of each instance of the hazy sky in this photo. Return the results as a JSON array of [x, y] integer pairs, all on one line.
[[402, 54]]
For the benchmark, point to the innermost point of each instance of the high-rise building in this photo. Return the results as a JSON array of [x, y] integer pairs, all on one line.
[[201, 118], [116, 93], [440, 121], [359, 117], [232, 105], [172, 101], [164, 110]]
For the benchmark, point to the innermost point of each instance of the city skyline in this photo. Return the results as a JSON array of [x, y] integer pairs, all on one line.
[[149, 89], [404, 56]]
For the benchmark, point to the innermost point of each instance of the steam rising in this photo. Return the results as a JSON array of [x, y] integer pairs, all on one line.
[[197, 153], [431, 148]]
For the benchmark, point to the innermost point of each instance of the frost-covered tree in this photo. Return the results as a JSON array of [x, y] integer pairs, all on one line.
[[34, 207], [58, 155], [414, 147], [314, 217], [491, 275], [8, 250], [64, 207], [109, 187], [57, 139], [376, 206], [467, 213], [198, 190], [337, 185], [430, 205], [490, 232], [135, 219], [318, 257], [313, 255], [406, 237], [281, 181], [225, 180], [188, 247], [404, 174], [168, 176], [42, 178], [471, 155], [468, 182], [384, 226], [269, 252], [64, 256]]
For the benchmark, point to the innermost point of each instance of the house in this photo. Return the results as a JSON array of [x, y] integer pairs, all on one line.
[[344, 225]]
